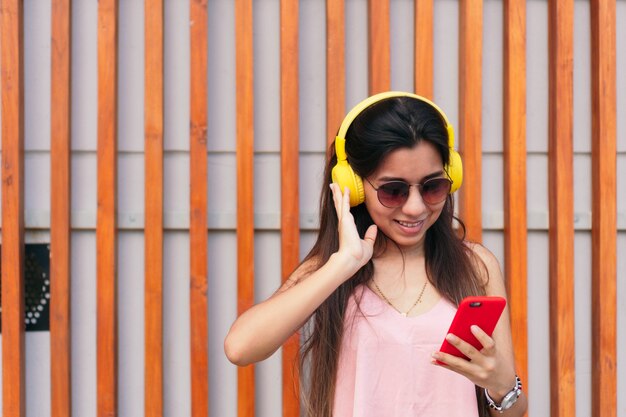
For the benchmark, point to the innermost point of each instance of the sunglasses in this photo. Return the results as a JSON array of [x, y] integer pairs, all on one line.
[[394, 194]]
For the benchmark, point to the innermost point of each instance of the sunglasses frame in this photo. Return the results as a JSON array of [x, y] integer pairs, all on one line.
[[420, 187]]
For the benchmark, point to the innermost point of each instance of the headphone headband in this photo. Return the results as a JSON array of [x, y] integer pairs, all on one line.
[[356, 110]]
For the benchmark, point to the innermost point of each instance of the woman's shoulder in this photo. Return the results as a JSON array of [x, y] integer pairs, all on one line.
[[482, 253], [486, 261]]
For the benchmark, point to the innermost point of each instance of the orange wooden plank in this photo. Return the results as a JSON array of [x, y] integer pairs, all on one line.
[[515, 213], [198, 237], [335, 67], [106, 259], [153, 195], [245, 185], [379, 56], [424, 56], [12, 78], [561, 204], [289, 165], [470, 114], [604, 209], [60, 228]]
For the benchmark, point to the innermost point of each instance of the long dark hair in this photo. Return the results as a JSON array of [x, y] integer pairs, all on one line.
[[390, 124]]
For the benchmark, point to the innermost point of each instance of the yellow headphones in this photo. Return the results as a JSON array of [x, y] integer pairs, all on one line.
[[342, 172]]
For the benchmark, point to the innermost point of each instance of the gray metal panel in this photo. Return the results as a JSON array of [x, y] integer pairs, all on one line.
[[356, 52], [268, 377], [266, 76], [37, 76], [493, 78], [621, 322], [402, 36], [620, 57], [84, 75], [312, 77], [222, 93], [131, 80], [582, 77], [446, 57], [176, 325], [176, 56], [582, 318], [83, 323], [537, 96], [222, 298], [130, 323], [538, 325]]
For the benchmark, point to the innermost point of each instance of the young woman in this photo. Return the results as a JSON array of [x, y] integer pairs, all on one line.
[[383, 281]]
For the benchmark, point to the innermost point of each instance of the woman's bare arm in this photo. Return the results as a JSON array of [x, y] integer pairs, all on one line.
[[262, 329]]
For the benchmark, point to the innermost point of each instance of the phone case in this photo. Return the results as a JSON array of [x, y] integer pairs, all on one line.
[[482, 311]]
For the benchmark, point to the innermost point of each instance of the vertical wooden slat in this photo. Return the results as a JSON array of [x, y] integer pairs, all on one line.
[[198, 238], [604, 209], [470, 114], [289, 166], [561, 204], [153, 195], [60, 248], [12, 60], [245, 185], [424, 56], [106, 233], [515, 214], [335, 67], [379, 57]]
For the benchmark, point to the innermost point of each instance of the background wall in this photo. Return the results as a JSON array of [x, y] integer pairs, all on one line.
[[222, 274]]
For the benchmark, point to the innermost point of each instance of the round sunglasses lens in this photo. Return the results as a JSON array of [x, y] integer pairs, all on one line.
[[393, 194], [436, 190]]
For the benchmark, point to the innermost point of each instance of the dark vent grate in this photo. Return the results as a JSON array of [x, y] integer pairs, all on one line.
[[36, 287]]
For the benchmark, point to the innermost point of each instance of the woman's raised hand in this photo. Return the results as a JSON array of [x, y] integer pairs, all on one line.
[[351, 246]]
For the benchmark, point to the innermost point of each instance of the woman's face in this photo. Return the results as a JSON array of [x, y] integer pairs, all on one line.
[[406, 225]]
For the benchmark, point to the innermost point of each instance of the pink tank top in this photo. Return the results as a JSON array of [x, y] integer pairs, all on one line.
[[385, 367]]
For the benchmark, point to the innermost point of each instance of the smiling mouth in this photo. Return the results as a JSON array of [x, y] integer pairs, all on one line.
[[409, 224]]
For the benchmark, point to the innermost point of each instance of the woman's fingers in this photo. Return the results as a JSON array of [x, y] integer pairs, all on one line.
[[334, 188], [370, 234], [485, 340], [341, 199], [465, 348]]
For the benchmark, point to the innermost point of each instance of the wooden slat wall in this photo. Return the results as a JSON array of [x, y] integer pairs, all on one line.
[[60, 249], [290, 176], [560, 155], [379, 57], [604, 209], [198, 238], [13, 354], [106, 227], [470, 99], [514, 141], [153, 197], [424, 56], [245, 185], [561, 205], [335, 67]]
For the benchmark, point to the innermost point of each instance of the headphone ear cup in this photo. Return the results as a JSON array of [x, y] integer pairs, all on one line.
[[455, 170], [344, 176]]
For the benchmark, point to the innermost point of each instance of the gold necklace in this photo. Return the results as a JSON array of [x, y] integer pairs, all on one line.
[[419, 298]]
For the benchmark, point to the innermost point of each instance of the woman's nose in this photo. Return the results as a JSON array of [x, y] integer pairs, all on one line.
[[414, 204]]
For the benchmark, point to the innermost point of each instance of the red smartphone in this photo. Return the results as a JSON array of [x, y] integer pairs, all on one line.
[[482, 311]]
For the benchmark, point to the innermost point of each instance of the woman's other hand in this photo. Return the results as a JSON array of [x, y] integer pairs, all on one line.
[[352, 248]]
